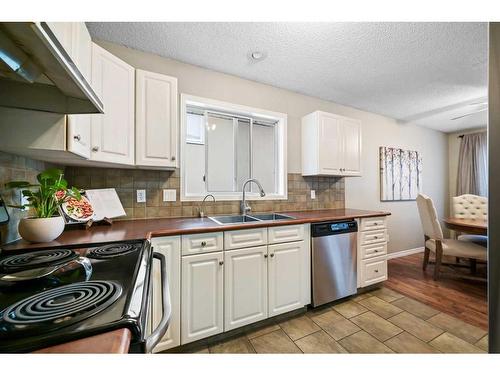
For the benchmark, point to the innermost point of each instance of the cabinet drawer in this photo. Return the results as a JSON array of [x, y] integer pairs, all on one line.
[[373, 236], [237, 239], [373, 250], [286, 233], [373, 271], [370, 223], [202, 243]]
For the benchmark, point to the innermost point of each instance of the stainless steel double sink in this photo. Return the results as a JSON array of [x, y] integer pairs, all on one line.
[[245, 219]]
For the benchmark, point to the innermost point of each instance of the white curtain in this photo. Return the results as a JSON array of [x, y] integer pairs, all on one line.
[[472, 176]]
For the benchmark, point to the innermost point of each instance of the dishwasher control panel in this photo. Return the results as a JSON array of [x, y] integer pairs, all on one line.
[[338, 227]]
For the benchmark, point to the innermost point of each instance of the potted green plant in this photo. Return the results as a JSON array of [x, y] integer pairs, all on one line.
[[44, 198]]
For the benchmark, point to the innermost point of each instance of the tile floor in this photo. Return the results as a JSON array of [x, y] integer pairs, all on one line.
[[381, 321]]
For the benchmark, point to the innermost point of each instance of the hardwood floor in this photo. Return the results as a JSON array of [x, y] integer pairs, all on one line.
[[463, 299]]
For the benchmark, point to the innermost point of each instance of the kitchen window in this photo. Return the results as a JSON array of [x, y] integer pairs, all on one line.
[[224, 144]]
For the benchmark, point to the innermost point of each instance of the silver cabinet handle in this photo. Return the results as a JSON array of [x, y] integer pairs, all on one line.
[[221, 263], [95, 148], [77, 137]]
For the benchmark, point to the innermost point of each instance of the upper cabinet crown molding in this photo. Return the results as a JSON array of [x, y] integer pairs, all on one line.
[[331, 145], [156, 120], [113, 132]]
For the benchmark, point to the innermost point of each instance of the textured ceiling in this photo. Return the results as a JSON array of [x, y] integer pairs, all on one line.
[[426, 73]]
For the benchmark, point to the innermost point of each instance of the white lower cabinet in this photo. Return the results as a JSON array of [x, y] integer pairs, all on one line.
[[286, 277], [228, 289], [245, 286], [372, 251], [170, 247], [202, 296]]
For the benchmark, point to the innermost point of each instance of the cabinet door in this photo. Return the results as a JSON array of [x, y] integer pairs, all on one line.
[[330, 144], [170, 247], [351, 150], [64, 33], [78, 126], [113, 132], [286, 277], [202, 298], [245, 286], [156, 119]]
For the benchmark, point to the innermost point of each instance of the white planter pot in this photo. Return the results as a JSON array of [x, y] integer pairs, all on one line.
[[41, 229]]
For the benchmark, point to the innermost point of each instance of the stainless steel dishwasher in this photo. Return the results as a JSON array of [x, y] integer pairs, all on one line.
[[334, 251]]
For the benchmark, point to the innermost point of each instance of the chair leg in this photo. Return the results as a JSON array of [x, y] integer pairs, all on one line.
[[426, 258], [473, 266], [439, 257]]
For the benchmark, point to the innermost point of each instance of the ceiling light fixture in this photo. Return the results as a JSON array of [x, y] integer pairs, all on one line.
[[257, 55]]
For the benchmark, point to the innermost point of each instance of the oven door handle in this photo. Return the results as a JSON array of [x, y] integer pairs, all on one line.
[[162, 328]]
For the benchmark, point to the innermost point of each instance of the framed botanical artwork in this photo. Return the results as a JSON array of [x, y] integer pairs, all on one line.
[[400, 174]]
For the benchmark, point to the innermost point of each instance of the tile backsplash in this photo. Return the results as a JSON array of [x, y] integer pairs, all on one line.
[[329, 192], [13, 167]]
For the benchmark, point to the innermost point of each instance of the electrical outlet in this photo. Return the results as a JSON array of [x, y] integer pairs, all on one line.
[[141, 195], [169, 195], [24, 201], [313, 194]]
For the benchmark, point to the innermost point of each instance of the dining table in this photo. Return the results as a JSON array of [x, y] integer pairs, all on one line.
[[469, 226]]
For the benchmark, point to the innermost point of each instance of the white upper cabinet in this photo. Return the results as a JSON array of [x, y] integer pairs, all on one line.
[[113, 132], [156, 120], [75, 39], [79, 136], [331, 145]]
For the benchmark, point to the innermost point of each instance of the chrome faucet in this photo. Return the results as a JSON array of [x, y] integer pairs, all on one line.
[[244, 207], [200, 209]]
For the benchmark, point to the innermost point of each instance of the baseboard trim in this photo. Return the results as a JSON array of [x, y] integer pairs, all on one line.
[[404, 253]]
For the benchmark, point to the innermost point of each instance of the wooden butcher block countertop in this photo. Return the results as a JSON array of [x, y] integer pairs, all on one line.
[[126, 230]]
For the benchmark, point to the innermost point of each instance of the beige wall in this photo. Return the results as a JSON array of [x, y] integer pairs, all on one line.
[[453, 150], [362, 192]]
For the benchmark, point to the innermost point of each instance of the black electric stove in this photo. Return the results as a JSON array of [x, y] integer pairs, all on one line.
[[53, 296]]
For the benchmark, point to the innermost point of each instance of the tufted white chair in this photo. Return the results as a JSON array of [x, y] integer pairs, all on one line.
[[435, 241], [470, 206]]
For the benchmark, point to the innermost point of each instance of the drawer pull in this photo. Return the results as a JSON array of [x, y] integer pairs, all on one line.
[[272, 255], [375, 223], [221, 263], [376, 251], [265, 255], [203, 243], [376, 271], [375, 237]]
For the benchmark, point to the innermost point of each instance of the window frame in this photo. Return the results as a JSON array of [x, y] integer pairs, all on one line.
[[244, 111]]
